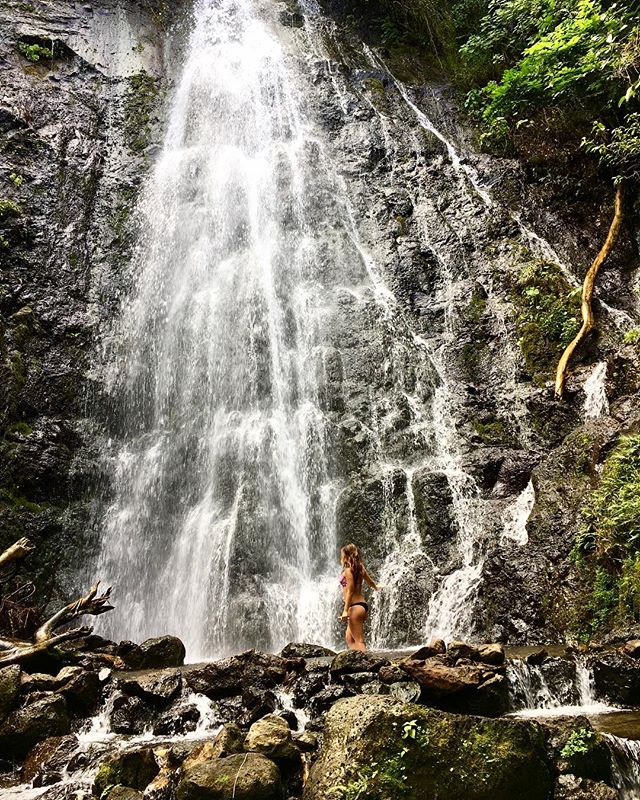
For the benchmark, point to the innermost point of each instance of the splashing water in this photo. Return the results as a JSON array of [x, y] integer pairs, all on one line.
[[596, 403], [517, 515]]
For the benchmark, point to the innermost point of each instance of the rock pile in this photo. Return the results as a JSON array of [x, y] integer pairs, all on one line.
[[264, 726]]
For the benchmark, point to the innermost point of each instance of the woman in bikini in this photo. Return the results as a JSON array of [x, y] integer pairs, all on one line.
[[356, 608]]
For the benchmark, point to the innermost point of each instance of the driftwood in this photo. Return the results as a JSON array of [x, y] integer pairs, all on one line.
[[53, 631], [588, 319]]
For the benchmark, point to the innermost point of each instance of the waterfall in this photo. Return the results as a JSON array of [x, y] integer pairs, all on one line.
[[517, 515], [257, 279], [626, 766], [556, 687], [221, 527], [595, 392]]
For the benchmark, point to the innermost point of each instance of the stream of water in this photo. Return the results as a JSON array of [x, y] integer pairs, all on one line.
[[221, 530]]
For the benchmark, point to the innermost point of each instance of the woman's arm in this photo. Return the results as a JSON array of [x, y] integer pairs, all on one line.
[[370, 580], [348, 592]]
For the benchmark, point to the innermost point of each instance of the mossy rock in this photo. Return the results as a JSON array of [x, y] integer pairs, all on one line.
[[382, 749], [547, 312], [135, 769], [241, 777]]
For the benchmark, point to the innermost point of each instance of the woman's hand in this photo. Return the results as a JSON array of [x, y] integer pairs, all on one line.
[[344, 617]]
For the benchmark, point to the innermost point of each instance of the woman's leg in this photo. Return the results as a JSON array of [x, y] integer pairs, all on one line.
[[349, 637], [357, 617]]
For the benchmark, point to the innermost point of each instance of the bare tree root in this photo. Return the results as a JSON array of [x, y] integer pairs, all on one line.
[[49, 635], [588, 319]]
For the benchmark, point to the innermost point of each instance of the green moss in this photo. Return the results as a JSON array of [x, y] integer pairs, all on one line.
[[17, 503], [34, 52], [18, 370], [632, 337], [9, 209], [547, 313], [20, 428], [606, 553], [477, 306], [140, 100], [377, 94]]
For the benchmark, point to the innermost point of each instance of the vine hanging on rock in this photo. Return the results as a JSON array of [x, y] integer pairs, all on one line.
[[588, 318]]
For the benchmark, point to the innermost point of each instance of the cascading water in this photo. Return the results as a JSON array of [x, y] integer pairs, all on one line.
[[595, 392], [221, 530], [557, 687], [626, 766], [226, 455]]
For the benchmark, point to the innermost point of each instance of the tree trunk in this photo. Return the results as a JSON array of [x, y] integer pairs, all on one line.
[[588, 320]]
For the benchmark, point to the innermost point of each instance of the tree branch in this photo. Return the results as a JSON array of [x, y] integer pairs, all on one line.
[[16, 552], [92, 603], [588, 320]]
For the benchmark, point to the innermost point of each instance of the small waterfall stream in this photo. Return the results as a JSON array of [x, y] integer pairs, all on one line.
[[626, 766], [557, 687]]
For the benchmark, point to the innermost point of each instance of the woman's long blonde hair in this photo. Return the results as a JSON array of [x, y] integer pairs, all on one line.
[[350, 557]]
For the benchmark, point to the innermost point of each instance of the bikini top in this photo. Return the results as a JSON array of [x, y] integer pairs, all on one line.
[[343, 580]]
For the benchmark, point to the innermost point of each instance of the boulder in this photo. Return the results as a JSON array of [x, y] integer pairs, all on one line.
[[231, 675], [349, 661], [46, 762], [537, 657], [616, 677], [130, 715], [133, 768], [571, 787], [123, 793], [491, 654], [490, 699], [632, 648], [80, 688], [158, 687], [131, 654], [393, 674], [358, 680], [407, 691], [44, 717], [9, 689], [228, 742], [271, 736], [579, 749], [304, 650], [426, 652], [396, 749], [327, 697], [177, 719], [239, 777], [440, 680], [306, 741], [307, 685], [458, 650], [163, 651]]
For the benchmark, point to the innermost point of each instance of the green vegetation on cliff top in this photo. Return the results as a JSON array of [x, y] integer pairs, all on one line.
[[533, 69]]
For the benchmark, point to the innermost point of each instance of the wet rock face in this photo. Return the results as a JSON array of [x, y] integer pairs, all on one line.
[[71, 169], [44, 717]]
